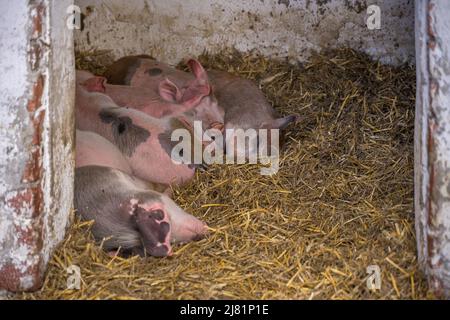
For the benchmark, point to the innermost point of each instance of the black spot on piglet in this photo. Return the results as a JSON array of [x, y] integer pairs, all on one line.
[[153, 72], [127, 136]]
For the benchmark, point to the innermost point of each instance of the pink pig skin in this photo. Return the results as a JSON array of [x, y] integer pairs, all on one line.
[[187, 89], [142, 99], [192, 103], [93, 149], [143, 140]]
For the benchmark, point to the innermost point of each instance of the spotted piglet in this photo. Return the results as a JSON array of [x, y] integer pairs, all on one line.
[[129, 215], [191, 90], [144, 141], [168, 100], [244, 103], [94, 150]]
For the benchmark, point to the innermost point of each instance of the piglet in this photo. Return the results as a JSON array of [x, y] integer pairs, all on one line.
[[245, 105], [192, 103], [189, 90], [144, 141], [129, 215]]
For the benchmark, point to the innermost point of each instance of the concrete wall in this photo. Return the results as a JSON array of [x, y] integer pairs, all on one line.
[[169, 30], [432, 142], [36, 130]]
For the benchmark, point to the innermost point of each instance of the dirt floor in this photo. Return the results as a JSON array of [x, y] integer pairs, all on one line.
[[342, 200]]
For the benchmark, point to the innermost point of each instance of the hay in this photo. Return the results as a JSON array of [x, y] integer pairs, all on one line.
[[342, 200], [95, 60]]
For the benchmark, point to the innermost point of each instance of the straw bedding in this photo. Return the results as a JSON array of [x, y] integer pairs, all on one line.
[[342, 200]]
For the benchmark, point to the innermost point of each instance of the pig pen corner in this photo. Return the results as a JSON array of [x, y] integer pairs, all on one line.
[[361, 189]]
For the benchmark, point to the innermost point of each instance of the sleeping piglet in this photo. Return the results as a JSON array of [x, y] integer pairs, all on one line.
[[129, 215], [194, 95], [144, 141], [193, 101], [125, 207], [245, 105]]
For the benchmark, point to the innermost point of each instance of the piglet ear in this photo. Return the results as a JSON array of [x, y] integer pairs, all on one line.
[[169, 91], [282, 123], [95, 84], [198, 70], [193, 94]]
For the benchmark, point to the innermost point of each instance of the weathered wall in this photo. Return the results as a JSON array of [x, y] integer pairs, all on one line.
[[36, 130], [432, 143], [170, 30]]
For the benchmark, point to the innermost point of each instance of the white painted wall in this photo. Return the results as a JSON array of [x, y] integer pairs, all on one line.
[[36, 130], [59, 158], [432, 142], [13, 125], [169, 30]]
